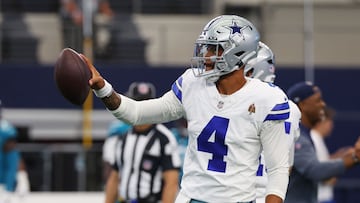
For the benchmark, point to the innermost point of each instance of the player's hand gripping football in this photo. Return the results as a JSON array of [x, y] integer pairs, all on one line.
[[111, 99], [97, 81]]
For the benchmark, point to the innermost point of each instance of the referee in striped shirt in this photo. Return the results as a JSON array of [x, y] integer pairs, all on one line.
[[147, 162]]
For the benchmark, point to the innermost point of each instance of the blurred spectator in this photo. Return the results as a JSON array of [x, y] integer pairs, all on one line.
[[319, 133], [116, 130], [308, 171], [181, 134], [72, 23], [13, 176], [147, 163]]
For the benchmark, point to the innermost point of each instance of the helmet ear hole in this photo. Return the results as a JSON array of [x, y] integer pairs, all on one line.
[[249, 73], [240, 53]]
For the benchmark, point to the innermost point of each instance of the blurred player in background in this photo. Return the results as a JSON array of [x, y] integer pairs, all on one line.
[[13, 176], [263, 68], [229, 117], [147, 163], [308, 171], [116, 130], [319, 133]]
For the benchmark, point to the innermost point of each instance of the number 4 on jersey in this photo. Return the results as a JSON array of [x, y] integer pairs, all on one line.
[[217, 147]]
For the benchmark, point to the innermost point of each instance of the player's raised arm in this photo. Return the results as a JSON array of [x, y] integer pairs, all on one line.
[[163, 109]]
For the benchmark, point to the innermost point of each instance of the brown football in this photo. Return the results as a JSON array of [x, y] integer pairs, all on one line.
[[72, 76]]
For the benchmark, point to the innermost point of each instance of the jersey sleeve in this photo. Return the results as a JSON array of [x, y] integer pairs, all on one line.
[[292, 129], [277, 102], [272, 103], [295, 119], [276, 153], [273, 139], [159, 110], [164, 109]]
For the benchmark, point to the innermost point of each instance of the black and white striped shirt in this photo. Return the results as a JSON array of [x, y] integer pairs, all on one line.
[[141, 159]]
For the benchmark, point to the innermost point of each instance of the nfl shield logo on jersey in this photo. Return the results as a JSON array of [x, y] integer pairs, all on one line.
[[220, 104], [147, 164]]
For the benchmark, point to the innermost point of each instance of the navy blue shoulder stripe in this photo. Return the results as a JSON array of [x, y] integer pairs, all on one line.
[[280, 107], [177, 88], [279, 112]]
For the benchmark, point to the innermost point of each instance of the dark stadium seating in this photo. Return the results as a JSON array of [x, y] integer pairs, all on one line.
[[30, 5], [18, 45]]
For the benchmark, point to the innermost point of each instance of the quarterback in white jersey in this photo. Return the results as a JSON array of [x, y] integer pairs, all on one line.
[[225, 136], [262, 67], [231, 119]]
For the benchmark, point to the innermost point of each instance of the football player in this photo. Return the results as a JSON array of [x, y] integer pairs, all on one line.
[[263, 68], [230, 118], [13, 175]]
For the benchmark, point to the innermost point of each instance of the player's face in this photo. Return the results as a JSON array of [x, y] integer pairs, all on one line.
[[212, 52], [208, 54]]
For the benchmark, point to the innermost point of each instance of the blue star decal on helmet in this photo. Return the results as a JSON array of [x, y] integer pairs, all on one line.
[[235, 28]]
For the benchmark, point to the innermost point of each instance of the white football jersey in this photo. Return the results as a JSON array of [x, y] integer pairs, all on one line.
[[292, 131], [226, 135]]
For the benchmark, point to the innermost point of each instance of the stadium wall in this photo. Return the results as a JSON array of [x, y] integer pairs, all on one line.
[[30, 94], [32, 100]]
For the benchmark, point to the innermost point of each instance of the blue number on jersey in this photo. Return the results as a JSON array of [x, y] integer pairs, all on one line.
[[217, 147], [260, 170], [287, 127]]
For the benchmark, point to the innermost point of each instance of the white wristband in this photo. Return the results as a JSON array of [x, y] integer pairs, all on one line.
[[105, 91]]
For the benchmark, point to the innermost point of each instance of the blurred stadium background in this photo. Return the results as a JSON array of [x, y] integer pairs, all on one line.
[[315, 40]]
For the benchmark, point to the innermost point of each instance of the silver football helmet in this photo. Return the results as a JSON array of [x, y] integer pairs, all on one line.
[[262, 67], [226, 43]]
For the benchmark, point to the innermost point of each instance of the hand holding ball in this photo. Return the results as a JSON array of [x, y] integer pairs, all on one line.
[[72, 76]]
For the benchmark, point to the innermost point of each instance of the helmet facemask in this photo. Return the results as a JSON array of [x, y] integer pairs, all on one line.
[[208, 55]]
